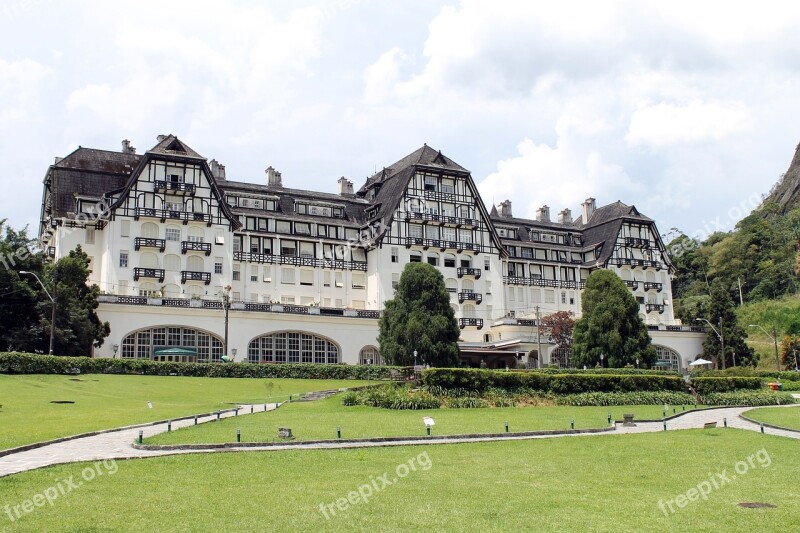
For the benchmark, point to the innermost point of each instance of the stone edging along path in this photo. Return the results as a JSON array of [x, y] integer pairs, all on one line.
[[766, 425]]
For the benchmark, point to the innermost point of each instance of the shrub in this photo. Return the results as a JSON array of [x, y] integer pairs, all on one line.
[[748, 398], [393, 397], [22, 363], [465, 403], [625, 398], [706, 385]]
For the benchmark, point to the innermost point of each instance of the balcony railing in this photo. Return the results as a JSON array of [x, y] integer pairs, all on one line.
[[156, 273], [464, 322], [649, 308], [338, 264], [646, 263], [193, 246], [174, 186], [443, 196], [650, 285], [171, 214], [442, 244], [470, 296], [636, 242], [541, 282], [147, 242], [469, 271], [631, 284], [441, 219], [192, 275]]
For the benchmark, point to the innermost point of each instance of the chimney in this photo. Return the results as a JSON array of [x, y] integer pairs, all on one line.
[[505, 209], [588, 209], [565, 217], [127, 148], [345, 187], [273, 177], [161, 138], [217, 170], [543, 214]]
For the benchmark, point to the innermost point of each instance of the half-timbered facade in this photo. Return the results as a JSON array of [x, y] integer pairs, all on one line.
[[302, 276]]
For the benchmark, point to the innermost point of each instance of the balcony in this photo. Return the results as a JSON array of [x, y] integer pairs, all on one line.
[[649, 308], [631, 284], [171, 214], [51, 251], [442, 244], [636, 242], [646, 263], [147, 242], [192, 275], [155, 273], [173, 187], [336, 264], [464, 322], [470, 296], [649, 285], [193, 246], [540, 282], [469, 271], [443, 196]]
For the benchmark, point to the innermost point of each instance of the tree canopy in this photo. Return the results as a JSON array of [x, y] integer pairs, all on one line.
[[419, 318], [722, 314], [610, 325]]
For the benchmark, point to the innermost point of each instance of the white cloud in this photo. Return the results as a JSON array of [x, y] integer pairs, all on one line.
[[667, 123]]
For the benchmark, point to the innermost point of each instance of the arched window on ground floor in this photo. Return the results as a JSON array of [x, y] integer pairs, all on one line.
[[172, 343], [292, 347], [668, 359], [369, 355]]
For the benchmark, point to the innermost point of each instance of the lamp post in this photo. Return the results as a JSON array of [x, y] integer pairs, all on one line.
[[226, 305], [415, 358], [233, 352], [602, 356], [115, 347], [774, 338], [53, 301], [637, 362], [719, 336]]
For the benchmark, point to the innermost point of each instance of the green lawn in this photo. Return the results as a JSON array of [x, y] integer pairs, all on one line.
[[109, 401], [787, 417], [598, 483], [319, 420]]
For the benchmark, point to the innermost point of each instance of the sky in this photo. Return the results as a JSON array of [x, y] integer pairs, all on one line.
[[687, 110]]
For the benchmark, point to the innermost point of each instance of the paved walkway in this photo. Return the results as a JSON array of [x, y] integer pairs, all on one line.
[[118, 444]]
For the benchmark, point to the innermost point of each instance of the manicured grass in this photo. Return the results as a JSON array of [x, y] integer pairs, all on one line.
[[319, 420], [597, 483], [787, 417], [107, 401]]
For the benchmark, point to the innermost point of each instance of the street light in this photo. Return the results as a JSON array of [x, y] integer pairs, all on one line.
[[719, 336], [637, 362], [774, 338], [53, 301], [602, 356], [226, 305], [115, 347]]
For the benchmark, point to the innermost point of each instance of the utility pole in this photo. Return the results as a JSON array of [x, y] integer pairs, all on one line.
[[722, 343], [741, 300], [775, 339], [539, 359], [226, 305]]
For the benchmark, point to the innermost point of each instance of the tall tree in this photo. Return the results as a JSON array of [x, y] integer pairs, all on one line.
[[19, 316], [420, 319], [78, 327], [610, 325], [559, 327], [722, 314]]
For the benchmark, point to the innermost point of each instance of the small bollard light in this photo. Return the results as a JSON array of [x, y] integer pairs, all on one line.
[[169, 426], [338, 432], [290, 397], [140, 436], [251, 409], [195, 420], [428, 429], [762, 428], [609, 418], [506, 427], [217, 416], [237, 411], [725, 422], [665, 425], [238, 435], [572, 424]]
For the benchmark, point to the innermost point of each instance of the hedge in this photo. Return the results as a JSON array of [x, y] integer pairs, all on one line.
[[706, 385], [748, 398], [24, 363], [783, 375], [481, 380], [611, 399]]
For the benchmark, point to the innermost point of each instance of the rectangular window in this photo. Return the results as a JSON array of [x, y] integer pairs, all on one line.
[[237, 296], [563, 297], [449, 261], [549, 296], [283, 226], [287, 276], [237, 271], [430, 183], [288, 248], [433, 260], [123, 258], [172, 234], [326, 278], [306, 249], [267, 274], [448, 234], [488, 287], [415, 257], [322, 230], [448, 186], [253, 272], [340, 279], [395, 280], [217, 265], [415, 230], [465, 235], [358, 280], [303, 228], [125, 228], [536, 296], [306, 277], [486, 263], [89, 235], [287, 300], [432, 232], [395, 255]]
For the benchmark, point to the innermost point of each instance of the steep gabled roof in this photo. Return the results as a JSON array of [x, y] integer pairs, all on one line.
[[171, 145]]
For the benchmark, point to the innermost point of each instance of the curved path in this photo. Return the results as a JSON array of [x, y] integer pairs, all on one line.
[[117, 444]]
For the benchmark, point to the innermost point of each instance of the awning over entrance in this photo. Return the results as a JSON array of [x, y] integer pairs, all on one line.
[[175, 354]]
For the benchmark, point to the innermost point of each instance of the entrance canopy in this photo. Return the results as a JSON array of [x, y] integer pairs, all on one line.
[[175, 354]]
